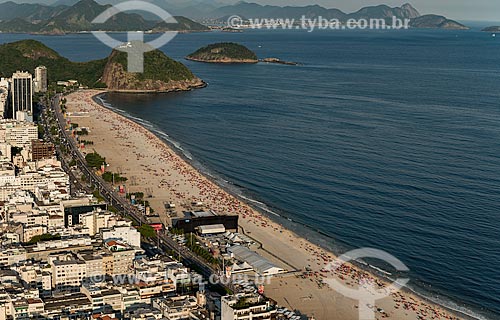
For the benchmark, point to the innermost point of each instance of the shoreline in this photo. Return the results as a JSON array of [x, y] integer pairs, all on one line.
[[264, 209], [297, 236], [271, 214], [226, 61], [35, 33], [202, 85]]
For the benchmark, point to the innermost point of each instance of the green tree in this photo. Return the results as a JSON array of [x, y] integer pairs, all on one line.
[[98, 196], [199, 250], [94, 160], [109, 176], [41, 130], [83, 132], [147, 231], [44, 237]]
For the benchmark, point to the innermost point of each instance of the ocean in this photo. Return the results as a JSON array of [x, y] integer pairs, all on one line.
[[383, 139]]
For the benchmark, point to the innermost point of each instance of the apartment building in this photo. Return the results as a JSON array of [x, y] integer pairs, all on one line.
[[18, 133], [12, 254], [67, 275], [96, 220], [28, 232], [123, 257], [35, 274], [178, 307], [69, 306], [41, 83], [42, 250], [246, 306], [40, 150], [94, 264], [4, 94], [50, 184], [102, 299], [124, 233]]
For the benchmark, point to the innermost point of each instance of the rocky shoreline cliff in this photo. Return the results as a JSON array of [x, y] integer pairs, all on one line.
[[161, 74]]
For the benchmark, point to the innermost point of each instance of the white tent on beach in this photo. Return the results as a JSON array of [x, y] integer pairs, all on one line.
[[258, 263]]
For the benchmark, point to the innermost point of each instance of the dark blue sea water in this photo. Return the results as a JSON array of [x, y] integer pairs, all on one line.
[[382, 139]]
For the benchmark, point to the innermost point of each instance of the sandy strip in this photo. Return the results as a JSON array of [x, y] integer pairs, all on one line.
[[152, 167]]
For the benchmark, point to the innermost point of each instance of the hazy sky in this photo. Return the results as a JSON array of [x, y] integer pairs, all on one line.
[[454, 9]]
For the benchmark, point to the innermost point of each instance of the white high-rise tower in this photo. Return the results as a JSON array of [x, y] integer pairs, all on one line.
[[41, 79]]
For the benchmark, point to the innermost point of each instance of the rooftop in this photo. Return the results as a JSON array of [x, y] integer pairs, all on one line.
[[260, 264], [201, 214], [67, 262]]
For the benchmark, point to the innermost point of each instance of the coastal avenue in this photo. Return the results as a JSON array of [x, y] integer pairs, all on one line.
[[119, 202]]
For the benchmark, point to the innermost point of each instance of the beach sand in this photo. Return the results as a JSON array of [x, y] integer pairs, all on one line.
[[152, 167]]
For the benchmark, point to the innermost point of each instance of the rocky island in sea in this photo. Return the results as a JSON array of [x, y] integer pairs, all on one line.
[[432, 21], [161, 73], [224, 52], [279, 61], [492, 29], [229, 52]]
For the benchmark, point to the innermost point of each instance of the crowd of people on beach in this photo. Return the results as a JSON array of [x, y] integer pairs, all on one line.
[[190, 185], [352, 275]]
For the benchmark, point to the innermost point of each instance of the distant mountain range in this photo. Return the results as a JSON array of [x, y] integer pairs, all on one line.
[[71, 16], [36, 18], [253, 10], [30, 12], [406, 11]]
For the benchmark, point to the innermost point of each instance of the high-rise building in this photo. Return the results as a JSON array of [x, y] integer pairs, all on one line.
[[41, 150], [41, 79], [4, 93], [22, 93]]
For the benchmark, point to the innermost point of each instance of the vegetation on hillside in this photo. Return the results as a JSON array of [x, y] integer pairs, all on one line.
[[161, 73], [182, 24], [28, 54], [433, 21], [157, 66], [79, 17]]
